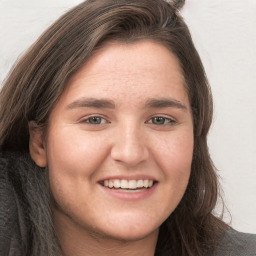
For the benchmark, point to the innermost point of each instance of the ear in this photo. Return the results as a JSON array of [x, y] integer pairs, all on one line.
[[37, 147]]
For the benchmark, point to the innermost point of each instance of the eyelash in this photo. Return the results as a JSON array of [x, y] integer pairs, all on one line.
[[165, 120], [87, 120]]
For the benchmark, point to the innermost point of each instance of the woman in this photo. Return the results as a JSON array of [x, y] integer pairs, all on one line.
[[103, 140]]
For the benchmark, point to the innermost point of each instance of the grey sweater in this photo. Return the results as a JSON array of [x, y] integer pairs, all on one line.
[[17, 174], [237, 244]]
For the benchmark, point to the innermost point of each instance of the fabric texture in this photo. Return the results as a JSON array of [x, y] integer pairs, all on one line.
[[26, 227], [25, 216], [236, 243]]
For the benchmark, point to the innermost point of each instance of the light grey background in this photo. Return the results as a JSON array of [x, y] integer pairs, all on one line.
[[225, 35]]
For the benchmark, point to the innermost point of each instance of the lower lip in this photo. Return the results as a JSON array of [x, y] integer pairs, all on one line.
[[130, 196]]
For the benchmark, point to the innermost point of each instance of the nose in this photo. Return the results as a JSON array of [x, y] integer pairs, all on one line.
[[129, 146]]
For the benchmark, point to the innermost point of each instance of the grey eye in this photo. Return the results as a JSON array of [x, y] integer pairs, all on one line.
[[158, 120], [95, 120], [161, 121]]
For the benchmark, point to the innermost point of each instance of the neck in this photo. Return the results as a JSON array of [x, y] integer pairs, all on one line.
[[81, 241]]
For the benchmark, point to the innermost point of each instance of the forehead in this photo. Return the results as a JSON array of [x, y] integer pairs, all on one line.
[[141, 69], [131, 58]]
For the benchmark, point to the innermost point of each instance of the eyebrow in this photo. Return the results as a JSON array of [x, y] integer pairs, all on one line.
[[91, 103], [165, 102], [105, 103]]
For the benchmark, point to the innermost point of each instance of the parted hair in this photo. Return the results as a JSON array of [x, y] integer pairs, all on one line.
[[40, 76]]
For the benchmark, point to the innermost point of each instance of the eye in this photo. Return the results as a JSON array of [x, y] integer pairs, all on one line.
[[95, 120], [160, 120]]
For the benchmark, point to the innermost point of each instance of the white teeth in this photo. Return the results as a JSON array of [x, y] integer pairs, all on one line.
[[128, 184], [110, 184], [145, 183], [132, 184], [117, 183], [124, 184], [140, 183]]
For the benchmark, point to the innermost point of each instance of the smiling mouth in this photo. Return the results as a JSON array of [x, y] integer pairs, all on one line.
[[128, 185]]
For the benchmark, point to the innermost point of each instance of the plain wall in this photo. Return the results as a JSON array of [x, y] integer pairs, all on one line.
[[224, 33]]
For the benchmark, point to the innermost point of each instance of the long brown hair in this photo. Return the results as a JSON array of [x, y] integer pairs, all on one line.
[[41, 75]]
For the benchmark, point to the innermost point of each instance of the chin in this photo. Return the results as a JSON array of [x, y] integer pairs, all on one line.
[[129, 229], [128, 236]]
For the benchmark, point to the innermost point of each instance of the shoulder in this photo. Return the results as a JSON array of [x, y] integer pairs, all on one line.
[[25, 216], [12, 227], [234, 243]]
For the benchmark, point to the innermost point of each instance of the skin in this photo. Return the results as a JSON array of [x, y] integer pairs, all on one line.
[[127, 142]]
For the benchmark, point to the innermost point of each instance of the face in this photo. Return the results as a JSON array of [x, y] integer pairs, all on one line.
[[119, 143]]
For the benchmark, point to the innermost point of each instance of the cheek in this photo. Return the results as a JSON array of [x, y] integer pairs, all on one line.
[[73, 161], [174, 156], [74, 151], [175, 152]]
